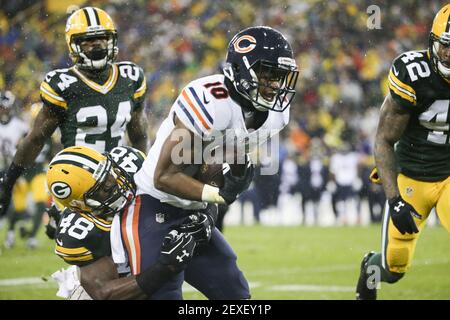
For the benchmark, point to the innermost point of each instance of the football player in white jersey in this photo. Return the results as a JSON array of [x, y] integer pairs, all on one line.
[[12, 129], [251, 99]]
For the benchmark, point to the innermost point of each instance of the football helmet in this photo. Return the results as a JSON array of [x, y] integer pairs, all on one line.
[[84, 180], [87, 23], [260, 64], [7, 99], [440, 36]]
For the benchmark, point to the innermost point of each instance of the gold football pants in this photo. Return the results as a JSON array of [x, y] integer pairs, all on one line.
[[398, 249], [37, 188]]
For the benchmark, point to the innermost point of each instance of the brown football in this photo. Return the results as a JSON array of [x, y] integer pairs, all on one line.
[[212, 173]]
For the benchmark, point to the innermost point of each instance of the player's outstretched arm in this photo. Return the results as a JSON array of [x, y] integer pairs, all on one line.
[[101, 281]]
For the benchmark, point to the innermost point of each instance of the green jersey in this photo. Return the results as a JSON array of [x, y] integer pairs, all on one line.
[[94, 115], [81, 238], [423, 151]]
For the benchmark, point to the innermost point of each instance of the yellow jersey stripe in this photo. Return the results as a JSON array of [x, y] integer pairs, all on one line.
[[82, 258], [45, 86], [401, 84], [139, 92], [400, 93], [98, 224], [77, 251], [52, 100]]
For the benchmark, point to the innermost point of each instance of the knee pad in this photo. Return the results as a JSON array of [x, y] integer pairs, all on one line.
[[398, 259]]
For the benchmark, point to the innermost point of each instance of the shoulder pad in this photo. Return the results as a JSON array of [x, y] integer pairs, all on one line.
[[53, 87], [201, 106], [132, 71], [128, 158], [405, 72]]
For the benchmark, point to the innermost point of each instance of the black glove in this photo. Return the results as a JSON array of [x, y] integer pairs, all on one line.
[[402, 215], [233, 186], [5, 195], [54, 215], [199, 225], [177, 250]]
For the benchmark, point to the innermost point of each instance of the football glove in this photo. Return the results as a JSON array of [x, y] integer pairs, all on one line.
[[402, 214], [177, 250], [54, 215], [199, 226], [233, 186]]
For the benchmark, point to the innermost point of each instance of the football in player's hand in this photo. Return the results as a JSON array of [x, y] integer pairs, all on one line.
[[212, 174]]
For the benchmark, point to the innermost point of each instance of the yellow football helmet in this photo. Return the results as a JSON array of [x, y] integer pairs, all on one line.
[[90, 22], [440, 36], [84, 180]]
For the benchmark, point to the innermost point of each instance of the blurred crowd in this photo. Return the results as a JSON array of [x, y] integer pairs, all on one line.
[[343, 61]]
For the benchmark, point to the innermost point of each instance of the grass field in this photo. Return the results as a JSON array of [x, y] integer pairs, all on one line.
[[288, 263]]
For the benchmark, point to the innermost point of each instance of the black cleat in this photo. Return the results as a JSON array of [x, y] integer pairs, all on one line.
[[364, 289]]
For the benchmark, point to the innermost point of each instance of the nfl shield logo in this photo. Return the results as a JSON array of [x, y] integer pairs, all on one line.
[[160, 217]]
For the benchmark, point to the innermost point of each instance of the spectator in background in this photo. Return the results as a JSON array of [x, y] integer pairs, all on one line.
[[344, 173]]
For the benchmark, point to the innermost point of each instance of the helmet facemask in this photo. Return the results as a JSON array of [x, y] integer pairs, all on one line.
[[113, 190], [268, 85], [96, 59], [435, 46]]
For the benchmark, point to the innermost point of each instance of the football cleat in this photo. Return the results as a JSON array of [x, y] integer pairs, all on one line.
[[363, 292]]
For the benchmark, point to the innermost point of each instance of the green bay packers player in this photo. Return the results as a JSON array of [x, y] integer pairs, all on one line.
[[93, 103], [412, 152], [94, 189]]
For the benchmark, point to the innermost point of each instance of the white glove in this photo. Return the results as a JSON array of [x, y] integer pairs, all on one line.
[[69, 284]]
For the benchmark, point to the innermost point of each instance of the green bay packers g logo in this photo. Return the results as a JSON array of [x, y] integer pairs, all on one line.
[[244, 44], [61, 190]]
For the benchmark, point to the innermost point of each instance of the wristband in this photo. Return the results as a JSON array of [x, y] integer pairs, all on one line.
[[211, 194]]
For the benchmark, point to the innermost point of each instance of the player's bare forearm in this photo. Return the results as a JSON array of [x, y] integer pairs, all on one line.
[[137, 130], [392, 124], [181, 185], [121, 289], [101, 281], [169, 177], [30, 147], [178, 152]]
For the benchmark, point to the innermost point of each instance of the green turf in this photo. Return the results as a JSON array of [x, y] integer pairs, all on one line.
[[279, 262]]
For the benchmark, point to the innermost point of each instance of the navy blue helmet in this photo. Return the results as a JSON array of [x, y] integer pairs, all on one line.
[[260, 64]]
